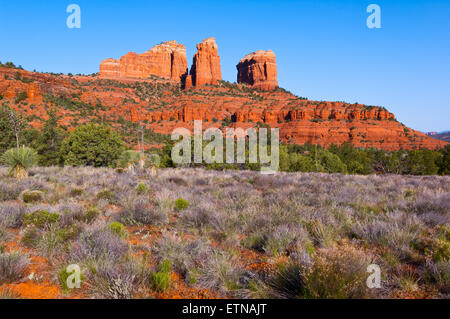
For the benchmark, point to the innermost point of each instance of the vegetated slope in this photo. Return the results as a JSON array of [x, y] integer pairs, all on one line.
[[224, 234], [161, 105]]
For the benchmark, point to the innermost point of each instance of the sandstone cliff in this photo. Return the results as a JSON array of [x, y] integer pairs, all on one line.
[[167, 60], [258, 69]]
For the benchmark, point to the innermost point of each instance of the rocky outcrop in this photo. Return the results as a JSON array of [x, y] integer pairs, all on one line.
[[167, 60], [206, 64], [162, 108], [258, 69]]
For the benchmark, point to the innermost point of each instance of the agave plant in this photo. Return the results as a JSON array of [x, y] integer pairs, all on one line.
[[20, 160]]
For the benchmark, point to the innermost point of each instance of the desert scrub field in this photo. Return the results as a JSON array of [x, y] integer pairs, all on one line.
[[194, 233]]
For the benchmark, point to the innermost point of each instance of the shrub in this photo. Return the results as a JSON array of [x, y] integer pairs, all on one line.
[[9, 191], [142, 189], [31, 237], [160, 280], [21, 97], [92, 145], [105, 194], [91, 214], [113, 281], [219, 272], [99, 244], [7, 293], [41, 218], [19, 161], [11, 216], [141, 211], [288, 282], [338, 274], [32, 196], [12, 266], [181, 204], [76, 191], [118, 229]]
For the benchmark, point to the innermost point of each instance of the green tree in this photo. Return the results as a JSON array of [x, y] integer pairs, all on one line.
[[423, 162], [7, 137], [92, 145], [49, 141], [444, 161]]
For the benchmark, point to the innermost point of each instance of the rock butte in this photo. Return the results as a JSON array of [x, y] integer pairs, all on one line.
[[161, 105], [167, 60], [206, 64], [258, 69]]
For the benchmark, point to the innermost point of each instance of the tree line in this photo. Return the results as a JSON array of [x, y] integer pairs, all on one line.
[[100, 145]]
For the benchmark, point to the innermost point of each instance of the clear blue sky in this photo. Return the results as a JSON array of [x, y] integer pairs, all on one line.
[[324, 49]]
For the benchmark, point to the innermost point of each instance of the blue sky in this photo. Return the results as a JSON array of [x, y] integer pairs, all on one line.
[[324, 49]]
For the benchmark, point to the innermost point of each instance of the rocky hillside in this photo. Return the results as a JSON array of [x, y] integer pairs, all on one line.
[[156, 89]]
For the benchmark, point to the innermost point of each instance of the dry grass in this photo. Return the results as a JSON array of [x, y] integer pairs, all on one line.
[[303, 235]]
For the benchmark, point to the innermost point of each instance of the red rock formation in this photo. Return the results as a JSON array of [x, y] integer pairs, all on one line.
[[206, 64], [300, 121], [166, 60], [258, 69], [188, 82]]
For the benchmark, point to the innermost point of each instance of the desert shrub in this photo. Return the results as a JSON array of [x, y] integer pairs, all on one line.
[[177, 180], [92, 145], [196, 217], [54, 241], [76, 191], [181, 204], [282, 239], [113, 281], [31, 237], [71, 214], [184, 256], [7, 293], [337, 274], [323, 235], [11, 216], [106, 194], [99, 243], [118, 229], [288, 282], [21, 97], [41, 218], [32, 196], [12, 266], [141, 189], [160, 280], [91, 214], [19, 160], [438, 273], [220, 272], [9, 191], [141, 211]]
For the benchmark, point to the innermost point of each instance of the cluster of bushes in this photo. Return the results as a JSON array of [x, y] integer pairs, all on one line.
[[344, 159]]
